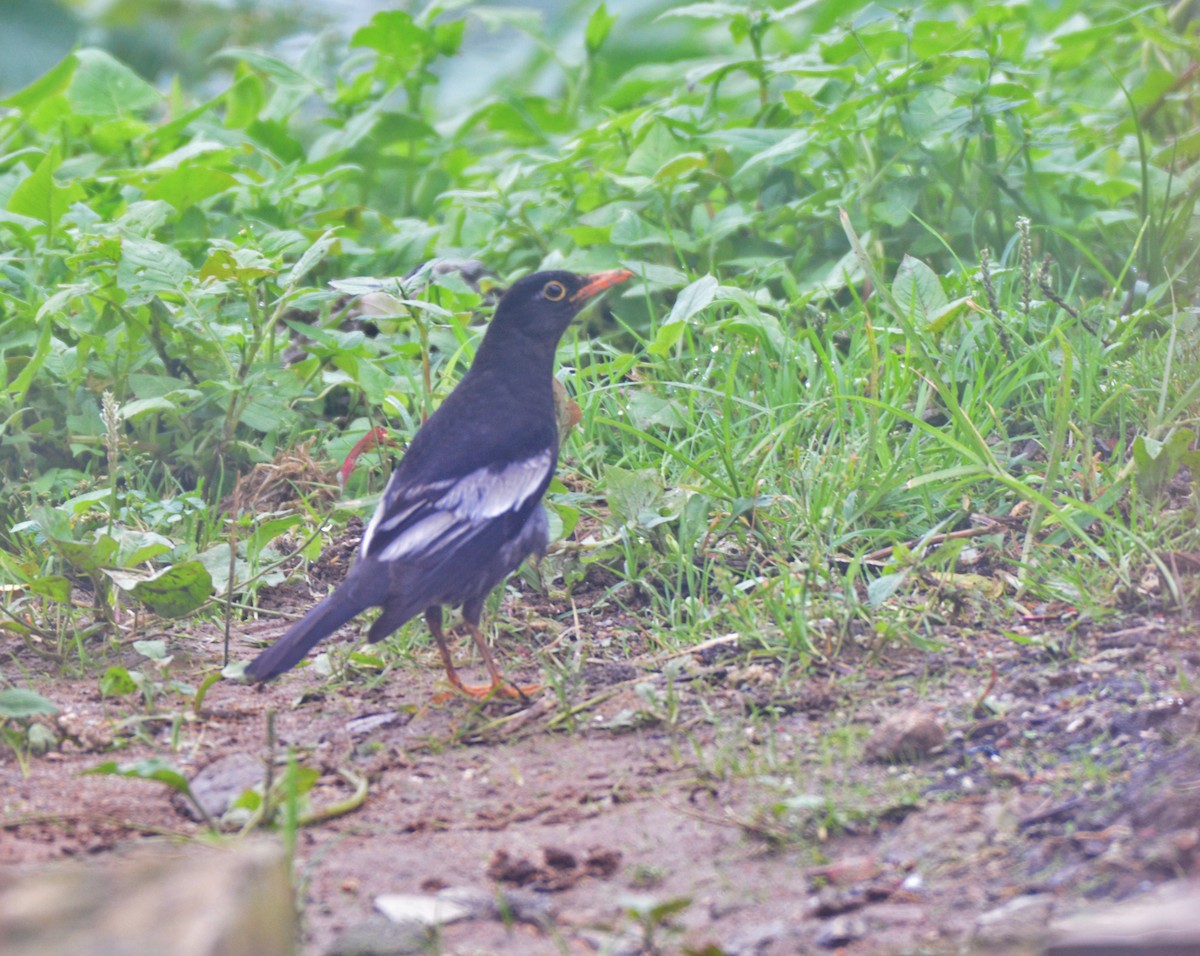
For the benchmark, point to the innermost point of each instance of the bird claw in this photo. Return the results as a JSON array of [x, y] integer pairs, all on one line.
[[485, 692]]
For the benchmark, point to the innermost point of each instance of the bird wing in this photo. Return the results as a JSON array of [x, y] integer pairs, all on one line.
[[419, 520]]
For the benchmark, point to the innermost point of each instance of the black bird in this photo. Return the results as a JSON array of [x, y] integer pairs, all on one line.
[[464, 507]]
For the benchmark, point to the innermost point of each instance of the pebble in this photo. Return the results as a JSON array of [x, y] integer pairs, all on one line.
[[906, 736]]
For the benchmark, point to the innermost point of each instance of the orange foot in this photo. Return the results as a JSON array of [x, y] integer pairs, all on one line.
[[481, 692]]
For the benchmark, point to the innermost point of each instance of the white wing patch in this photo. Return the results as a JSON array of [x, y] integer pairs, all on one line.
[[439, 527], [416, 495], [485, 493], [465, 504]]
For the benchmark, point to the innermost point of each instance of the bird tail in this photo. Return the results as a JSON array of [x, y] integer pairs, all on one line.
[[359, 592]]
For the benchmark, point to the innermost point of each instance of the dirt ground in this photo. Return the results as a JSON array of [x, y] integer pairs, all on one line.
[[712, 801]]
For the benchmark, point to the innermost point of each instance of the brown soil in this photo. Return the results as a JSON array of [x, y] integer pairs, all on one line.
[[720, 781]]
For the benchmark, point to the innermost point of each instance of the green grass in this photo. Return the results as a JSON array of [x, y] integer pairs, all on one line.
[[842, 344]]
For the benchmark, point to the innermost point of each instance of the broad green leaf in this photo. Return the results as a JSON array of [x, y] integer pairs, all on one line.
[[155, 769], [395, 35], [117, 682], [33, 365], [52, 586], [917, 290], [666, 338], [39, 195], [657, 147], [312, 256], [694, 298], [240, 264], [943, 318], [630, 493], [131, 411], [137, 547], [244, 100], [705, 11], [20, 703], [88, 556], [883, 587], [790, 147], [50, 84], [268, 531], [598, 26], [1157, 462], [680, 166], [648, 410], [156, 650], [148, 268], [188, 185], [172, 592], [102, 86]]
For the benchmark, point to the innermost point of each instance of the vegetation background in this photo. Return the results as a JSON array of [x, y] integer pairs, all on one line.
[[913, 338], [909, 362]]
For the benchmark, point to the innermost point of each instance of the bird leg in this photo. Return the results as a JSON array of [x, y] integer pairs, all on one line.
[[498, 686]]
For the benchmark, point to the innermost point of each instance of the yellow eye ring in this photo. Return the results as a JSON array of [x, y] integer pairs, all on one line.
[[554, 291]]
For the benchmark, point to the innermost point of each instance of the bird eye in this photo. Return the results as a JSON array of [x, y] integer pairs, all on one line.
[[554, 291]]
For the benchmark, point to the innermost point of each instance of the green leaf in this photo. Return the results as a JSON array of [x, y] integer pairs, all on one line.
[[397, 37], [598, 26], [172, 592], [943, 318], [268, 531], [101, 86], [1157, 462], [88, 556], [657, 147], [244, 100], [693, 299], [52, 586], [651, 910], [39, 195], [155, 650], [241, 264], [19, 703], [883, 587], [131, 411], [137, 547], [49, 85], [155, 769], [917, 290], [680, 166], [312, 256], [188, 185], [24, 380], [148, 268], [630, 493], [705, 11], [648, 410], [117, 682]]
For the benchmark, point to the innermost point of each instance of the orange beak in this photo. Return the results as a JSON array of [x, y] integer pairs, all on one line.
[[597, 282]]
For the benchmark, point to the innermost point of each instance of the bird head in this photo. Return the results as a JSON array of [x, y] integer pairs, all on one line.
[[543, 304]]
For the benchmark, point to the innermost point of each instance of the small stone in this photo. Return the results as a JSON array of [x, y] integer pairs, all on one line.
[[1162, 923], [481, 904], [528, 906], [906, 736], [362, 726], [379, 936], [750, 942], [235, 900], [841, 931], [1020, 919], [426, 910], [219, 785]]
